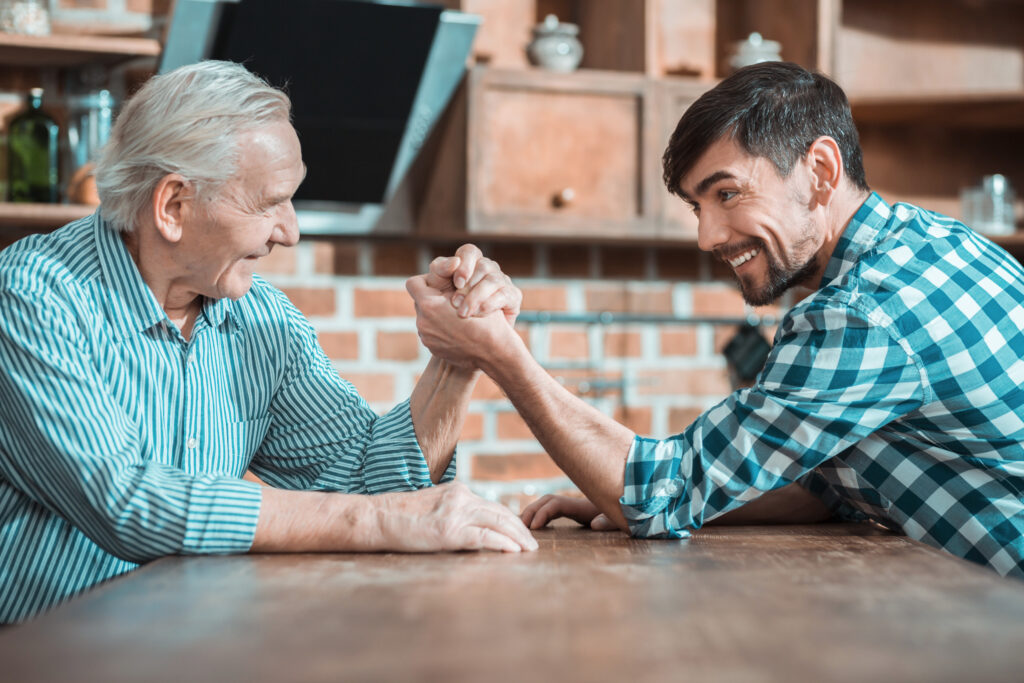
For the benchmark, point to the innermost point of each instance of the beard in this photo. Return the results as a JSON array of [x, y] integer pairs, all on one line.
[[780, 279], [780, 276]]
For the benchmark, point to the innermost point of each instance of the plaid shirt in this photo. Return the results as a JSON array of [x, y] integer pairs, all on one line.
[[893, 393]]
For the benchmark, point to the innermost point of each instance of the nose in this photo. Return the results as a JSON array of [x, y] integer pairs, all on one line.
[[286, 232], [711, 232]]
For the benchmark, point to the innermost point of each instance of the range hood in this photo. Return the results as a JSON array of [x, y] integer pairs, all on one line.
[[368, 81]]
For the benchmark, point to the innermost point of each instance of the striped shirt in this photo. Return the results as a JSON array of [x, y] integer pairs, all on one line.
[[894, 393], [121, 442]]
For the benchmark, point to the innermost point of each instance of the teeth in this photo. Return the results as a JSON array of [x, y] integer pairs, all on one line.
[[744, 257]]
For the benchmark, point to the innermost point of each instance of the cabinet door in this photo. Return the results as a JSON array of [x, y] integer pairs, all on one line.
[[560, 155], [676, 219]]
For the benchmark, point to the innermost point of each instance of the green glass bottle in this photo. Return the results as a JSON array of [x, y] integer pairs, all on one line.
[[32, 154]]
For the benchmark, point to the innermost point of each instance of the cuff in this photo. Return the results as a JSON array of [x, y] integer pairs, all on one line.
[[221, 517], [449, 473], [653, 488], [394, 461]]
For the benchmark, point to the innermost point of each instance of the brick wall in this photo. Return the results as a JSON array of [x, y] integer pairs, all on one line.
[[653, 378]]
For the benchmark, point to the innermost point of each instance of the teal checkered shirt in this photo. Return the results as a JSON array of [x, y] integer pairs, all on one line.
[[895, 393]]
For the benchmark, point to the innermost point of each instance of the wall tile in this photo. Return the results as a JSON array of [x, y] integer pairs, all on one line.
[[373, 386], [623, 299], [335, 258], [340, 345], [512, 426], [539, 298], [568, 344], [382, 303], [398, 346], [512, 466], [623, 344], [312, 301], [678, 342]]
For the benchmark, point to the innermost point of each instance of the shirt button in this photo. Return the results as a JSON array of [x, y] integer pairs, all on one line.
[[191, 358], [672, 488], [191, 443]]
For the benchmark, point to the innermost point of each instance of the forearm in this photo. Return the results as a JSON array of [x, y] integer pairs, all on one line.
[[791, 504], [314, 521], [589, 446], [438, 405], [446, 517]]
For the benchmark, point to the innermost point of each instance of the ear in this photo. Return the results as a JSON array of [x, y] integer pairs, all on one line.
[[170, 197], [825, 163]]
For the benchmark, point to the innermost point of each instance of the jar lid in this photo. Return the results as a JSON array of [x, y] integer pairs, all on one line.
[[552, 26], [756, 47]]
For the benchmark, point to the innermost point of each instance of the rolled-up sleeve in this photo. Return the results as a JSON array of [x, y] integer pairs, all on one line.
[[324, 436], [833, 378]]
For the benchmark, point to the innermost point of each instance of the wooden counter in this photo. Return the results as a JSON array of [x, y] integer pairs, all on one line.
[[802, 603]]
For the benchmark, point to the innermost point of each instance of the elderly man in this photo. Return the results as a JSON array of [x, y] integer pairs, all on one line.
[[894, 392], [144, 369]]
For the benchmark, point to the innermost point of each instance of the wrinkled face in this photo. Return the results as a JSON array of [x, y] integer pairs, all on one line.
[[226, 235], [755, 220]]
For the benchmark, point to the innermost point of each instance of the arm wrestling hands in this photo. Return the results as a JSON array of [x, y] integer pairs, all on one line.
[[444, 517], [463, 328]]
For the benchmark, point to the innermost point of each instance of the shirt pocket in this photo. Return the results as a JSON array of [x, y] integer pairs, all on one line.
[[237, 443]]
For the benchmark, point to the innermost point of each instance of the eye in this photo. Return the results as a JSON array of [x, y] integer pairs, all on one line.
[[726, 195]]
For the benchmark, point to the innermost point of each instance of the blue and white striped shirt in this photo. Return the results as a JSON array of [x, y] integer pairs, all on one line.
[[121, 442], [895, 393]]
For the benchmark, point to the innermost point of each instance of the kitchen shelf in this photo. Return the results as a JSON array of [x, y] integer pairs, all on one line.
[[29, 218], [979, 110], [64, 50]]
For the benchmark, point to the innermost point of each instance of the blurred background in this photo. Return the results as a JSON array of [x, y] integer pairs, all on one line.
[[542, 146]]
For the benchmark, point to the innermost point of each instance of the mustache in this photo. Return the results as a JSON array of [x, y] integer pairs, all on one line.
[[729, 252]]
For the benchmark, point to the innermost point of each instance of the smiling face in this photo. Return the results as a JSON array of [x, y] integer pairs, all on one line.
[[758, 222], [225, 236]]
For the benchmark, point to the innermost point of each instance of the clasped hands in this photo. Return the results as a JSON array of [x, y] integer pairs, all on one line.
[[465, 311]]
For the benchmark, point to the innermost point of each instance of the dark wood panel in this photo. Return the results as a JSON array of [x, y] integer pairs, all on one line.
[[827, 602], [73, 50]]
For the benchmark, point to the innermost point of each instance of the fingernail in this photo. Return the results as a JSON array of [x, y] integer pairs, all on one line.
[[459, 281], [457, 300]]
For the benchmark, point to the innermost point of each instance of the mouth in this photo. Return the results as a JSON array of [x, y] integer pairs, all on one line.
[[743, 257]]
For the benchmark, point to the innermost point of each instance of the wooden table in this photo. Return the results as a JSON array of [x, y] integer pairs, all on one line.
[[801, 603]]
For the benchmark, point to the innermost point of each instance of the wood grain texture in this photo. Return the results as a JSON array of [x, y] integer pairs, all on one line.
[[813, 603], [72, 50]]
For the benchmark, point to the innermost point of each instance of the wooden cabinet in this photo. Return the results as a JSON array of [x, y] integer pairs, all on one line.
[[557, 156], [937, 89], [936, 86]]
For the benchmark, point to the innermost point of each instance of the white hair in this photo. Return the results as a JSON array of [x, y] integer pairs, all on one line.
[[187, 122]]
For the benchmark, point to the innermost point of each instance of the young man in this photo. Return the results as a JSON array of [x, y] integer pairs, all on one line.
[[893, 392]]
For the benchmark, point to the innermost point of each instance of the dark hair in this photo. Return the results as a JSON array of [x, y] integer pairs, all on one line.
[[774, 110]]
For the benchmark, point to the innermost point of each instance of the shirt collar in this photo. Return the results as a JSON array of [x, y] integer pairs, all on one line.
[[134, 307], [864, 231]]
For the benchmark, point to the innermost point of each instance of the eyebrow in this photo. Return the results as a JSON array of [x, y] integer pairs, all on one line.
[[703, 185]]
